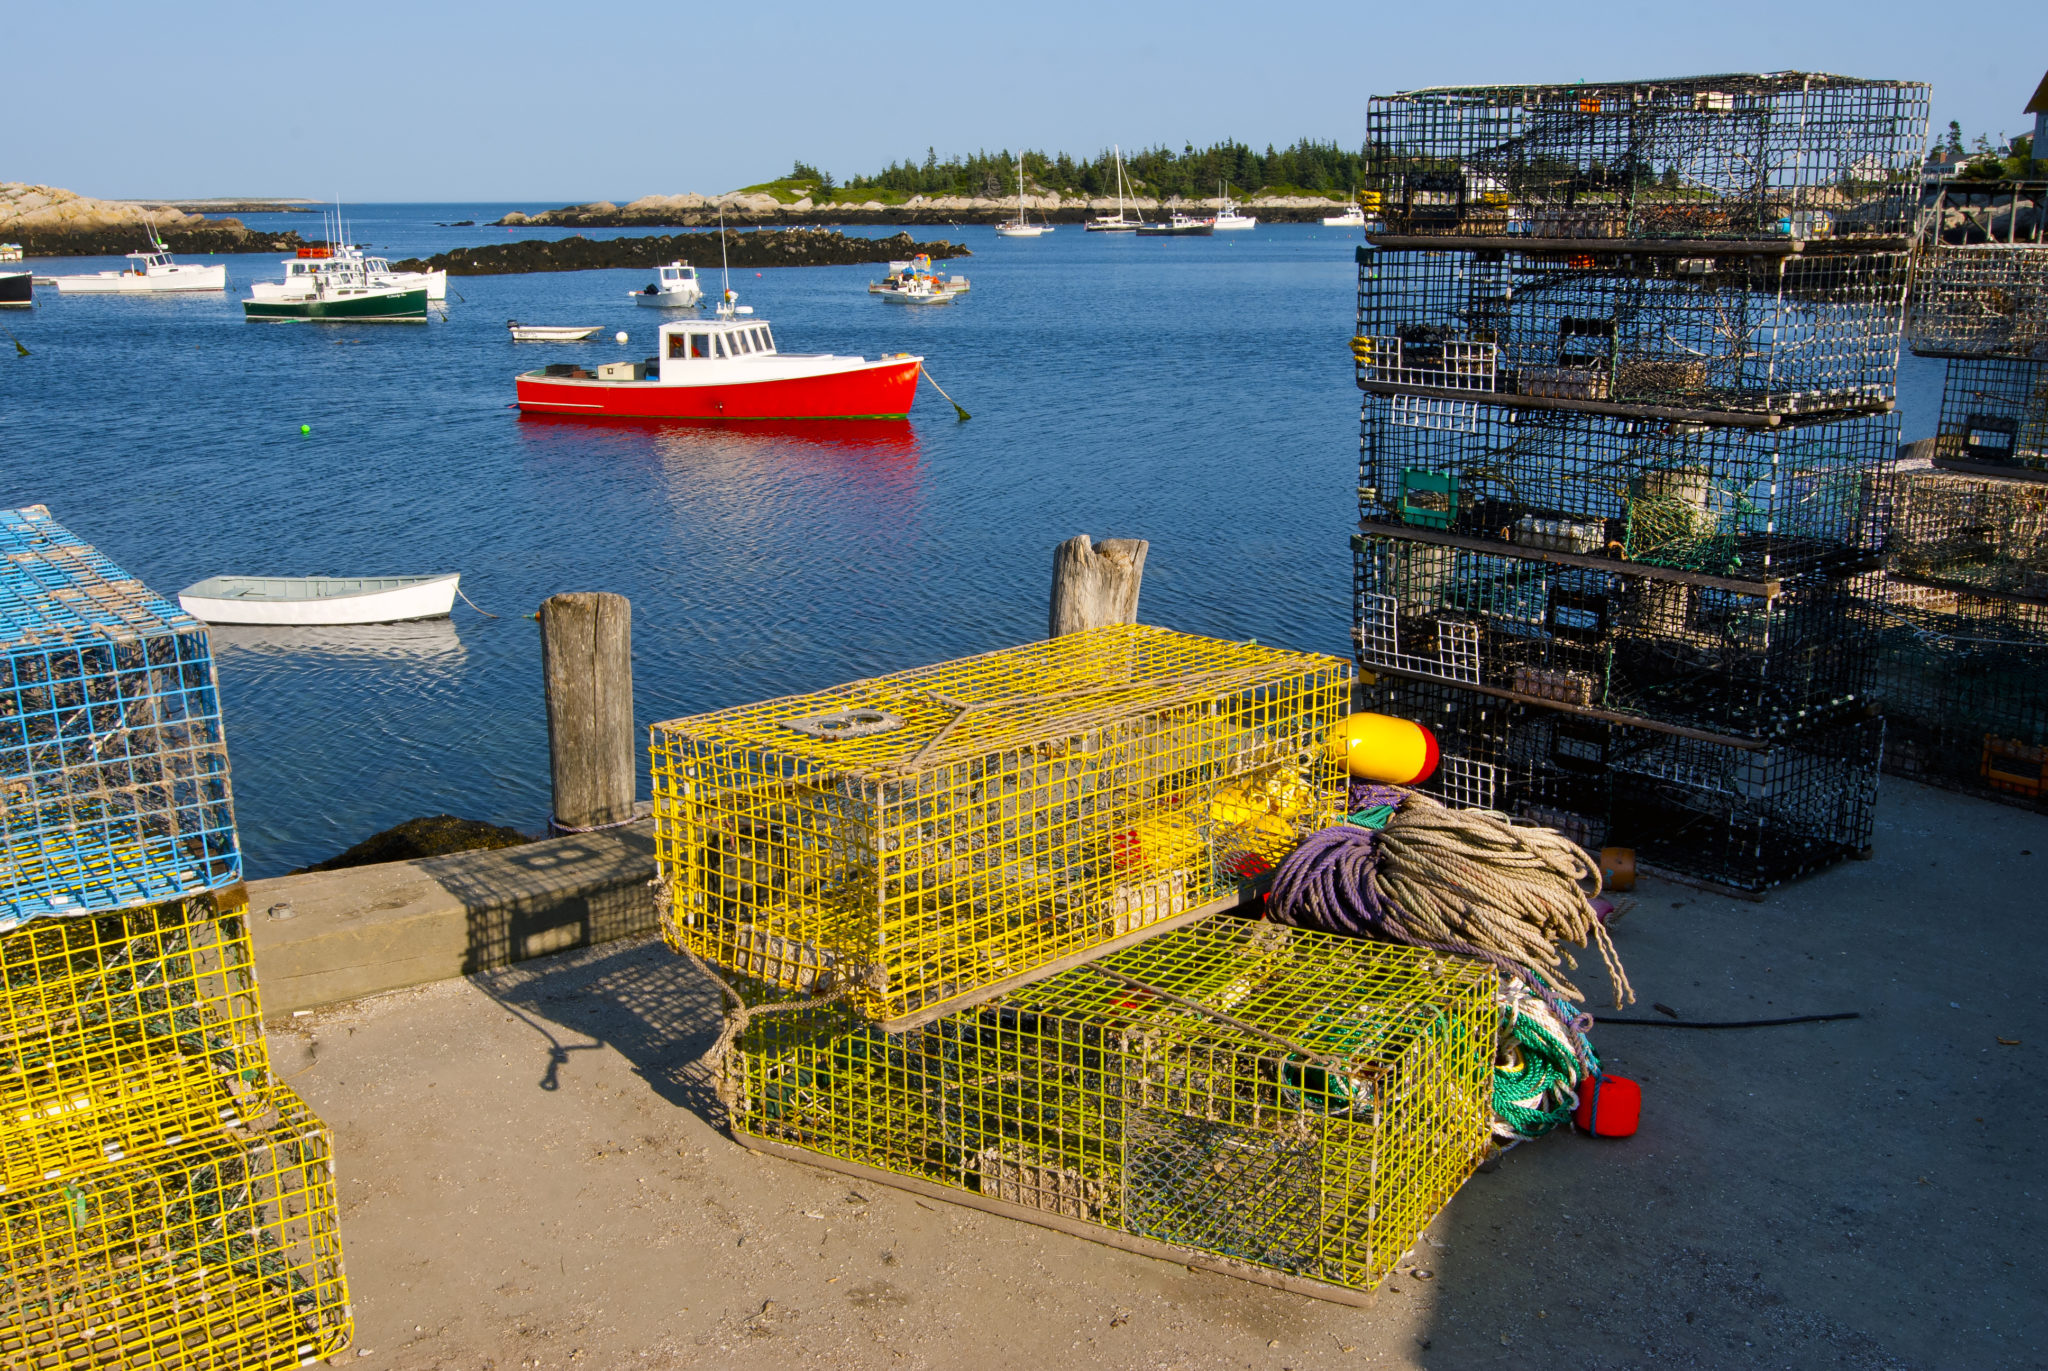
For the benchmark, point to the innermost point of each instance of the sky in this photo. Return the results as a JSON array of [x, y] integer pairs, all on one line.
[[569, 101]]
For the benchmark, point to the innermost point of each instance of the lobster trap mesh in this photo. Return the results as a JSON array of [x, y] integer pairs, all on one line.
[[1981, 300], [1964, 680], [1594, 639], [1798, 155], [1751, 506], [1994, 413], [1748, 816], [926, 835], [1968, 533], [221, 1253], [125, 1032], [113, 773], [1730, 335], [1288, 1099]]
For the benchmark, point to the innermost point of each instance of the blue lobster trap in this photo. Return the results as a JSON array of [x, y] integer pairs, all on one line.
[[113, 772]]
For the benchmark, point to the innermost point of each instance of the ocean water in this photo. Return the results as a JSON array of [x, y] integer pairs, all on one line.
[[1195, 392]]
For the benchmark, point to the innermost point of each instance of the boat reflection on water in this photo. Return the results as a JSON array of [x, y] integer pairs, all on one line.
[[878, 455], [426, 641], [880, 436]]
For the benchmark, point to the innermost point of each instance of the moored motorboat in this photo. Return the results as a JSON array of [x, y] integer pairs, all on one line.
[[301, 271], [726, 368], [675, 286], [10, 252], [343, 297], [1178, 226], [549, 333], [320, 600], [916, 283], [1352, 217], [150, 272], [1231, 215], [17, 289]]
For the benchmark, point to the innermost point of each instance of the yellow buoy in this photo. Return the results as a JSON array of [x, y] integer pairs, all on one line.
[[1379, 747]]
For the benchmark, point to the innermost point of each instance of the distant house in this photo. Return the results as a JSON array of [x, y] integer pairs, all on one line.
[[1942, 167]]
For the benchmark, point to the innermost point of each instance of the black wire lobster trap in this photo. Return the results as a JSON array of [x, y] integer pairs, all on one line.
[[1803, 156], [1964, 681], [1611, 643], [1981, 300], [1994, 416], [1727, 337], [1744, 506], [1744, 816], [1982, 535]]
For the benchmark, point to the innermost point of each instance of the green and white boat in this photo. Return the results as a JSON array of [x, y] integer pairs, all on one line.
[[342, 295]]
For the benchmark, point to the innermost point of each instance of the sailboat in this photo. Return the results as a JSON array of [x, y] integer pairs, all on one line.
[[1103, 223], [1018, 228]]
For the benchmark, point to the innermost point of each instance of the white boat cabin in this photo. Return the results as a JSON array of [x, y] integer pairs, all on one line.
[[694, 349], [156, 262], [674, 277]]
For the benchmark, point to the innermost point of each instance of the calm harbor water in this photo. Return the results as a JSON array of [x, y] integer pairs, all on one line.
[[1196, 392]]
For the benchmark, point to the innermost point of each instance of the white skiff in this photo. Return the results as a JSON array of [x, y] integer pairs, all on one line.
[[319, 599], [549, 333]]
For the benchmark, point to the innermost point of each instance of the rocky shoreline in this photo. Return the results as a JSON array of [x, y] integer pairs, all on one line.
[[695, 211], [790, 247], [51, 222], [192, 239]]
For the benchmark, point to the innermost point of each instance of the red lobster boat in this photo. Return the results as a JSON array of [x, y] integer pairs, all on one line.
[[726, 368]]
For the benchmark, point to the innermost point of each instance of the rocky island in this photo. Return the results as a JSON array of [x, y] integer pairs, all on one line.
[[763, 208], [792, 247], [51, 222]]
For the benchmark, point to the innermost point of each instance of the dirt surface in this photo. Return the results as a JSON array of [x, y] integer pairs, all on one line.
[[529, 1178]]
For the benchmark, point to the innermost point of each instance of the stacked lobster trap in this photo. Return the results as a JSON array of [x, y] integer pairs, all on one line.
[[983, 892], [1629, 355], [165, 1201], [1963, 599]]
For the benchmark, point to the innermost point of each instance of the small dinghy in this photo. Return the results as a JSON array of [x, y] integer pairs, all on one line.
[[323, 600], [549, 333]]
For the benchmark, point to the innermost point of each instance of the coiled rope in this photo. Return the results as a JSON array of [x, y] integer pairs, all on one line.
[[1466, 881]]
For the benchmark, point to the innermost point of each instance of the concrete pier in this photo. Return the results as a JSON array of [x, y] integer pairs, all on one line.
[[530, 1174]]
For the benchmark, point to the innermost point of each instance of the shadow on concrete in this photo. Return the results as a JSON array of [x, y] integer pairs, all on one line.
[[636, 997], [1859, 1194], [531, 901]]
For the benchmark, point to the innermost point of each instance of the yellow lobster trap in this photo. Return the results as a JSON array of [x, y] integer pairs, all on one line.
[[1292, 1105], [126, 1031], [218, 1253], [920, 839]]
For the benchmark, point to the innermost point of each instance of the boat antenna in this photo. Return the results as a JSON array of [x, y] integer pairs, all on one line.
[[724, 269]]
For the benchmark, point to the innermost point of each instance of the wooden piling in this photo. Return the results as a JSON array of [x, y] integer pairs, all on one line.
[[586, 650], [1096, 585]]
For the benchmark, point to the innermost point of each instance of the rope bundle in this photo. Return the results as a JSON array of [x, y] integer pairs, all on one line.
[[1456, 880]]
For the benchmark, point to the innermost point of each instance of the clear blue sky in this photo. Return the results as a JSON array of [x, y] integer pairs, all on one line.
[[576, 99]]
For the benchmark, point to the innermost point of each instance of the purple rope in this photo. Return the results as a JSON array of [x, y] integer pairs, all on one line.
[[1331, 883]]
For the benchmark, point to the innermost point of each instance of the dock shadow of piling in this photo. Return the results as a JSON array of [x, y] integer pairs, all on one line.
[[634, 996]]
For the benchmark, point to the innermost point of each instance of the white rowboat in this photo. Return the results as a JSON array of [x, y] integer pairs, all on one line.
[[549, 333], [319, 599]]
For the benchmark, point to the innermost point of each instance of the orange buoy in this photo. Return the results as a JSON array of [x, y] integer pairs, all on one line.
[[1379, 747], [1617, 868]]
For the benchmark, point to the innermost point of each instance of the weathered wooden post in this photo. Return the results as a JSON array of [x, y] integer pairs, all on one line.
[[1093, 586], [586, 654]]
